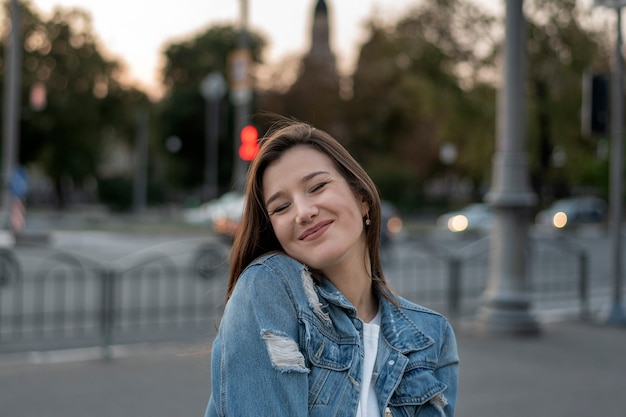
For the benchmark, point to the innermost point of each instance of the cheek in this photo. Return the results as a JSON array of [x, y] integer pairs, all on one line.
[[281, 229]]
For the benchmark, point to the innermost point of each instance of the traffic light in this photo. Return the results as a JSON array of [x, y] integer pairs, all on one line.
[[595, 106], [600, 103], [249, 143]]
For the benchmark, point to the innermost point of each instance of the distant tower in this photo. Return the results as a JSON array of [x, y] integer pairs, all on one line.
[[314, 96], [320, 40]]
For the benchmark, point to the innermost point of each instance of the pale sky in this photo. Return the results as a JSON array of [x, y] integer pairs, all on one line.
[[135, 31]]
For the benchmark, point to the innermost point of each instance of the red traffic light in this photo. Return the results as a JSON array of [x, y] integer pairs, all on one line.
[[249, 143]]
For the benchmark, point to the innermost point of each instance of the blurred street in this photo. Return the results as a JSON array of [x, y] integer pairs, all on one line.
[[573, 368], [105, 314]]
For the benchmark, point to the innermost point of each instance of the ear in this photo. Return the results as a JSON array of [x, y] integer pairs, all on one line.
[[365, 207]]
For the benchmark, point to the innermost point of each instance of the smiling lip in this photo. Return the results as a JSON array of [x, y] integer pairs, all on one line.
[[315, 231]]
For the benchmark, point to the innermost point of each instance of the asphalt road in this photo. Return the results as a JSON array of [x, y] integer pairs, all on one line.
[[572, 369]]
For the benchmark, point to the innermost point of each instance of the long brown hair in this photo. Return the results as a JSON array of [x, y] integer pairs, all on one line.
[[255, 235]]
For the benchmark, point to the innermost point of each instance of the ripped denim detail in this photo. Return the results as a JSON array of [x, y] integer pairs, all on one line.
[[284, 353], [439, 401], [312, 298]]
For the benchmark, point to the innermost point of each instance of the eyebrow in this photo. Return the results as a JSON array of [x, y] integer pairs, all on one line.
[[304, 179]]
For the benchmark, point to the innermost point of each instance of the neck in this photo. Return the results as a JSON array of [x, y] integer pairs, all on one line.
[[356, 285], [352, 276]]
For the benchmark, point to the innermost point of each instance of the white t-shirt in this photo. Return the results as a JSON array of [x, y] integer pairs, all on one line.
[[368, 403]]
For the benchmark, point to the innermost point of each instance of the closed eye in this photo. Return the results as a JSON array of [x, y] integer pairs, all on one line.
[[318, 186], [279, 209]]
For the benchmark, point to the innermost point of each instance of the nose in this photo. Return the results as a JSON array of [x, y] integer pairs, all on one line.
[[305, 211]]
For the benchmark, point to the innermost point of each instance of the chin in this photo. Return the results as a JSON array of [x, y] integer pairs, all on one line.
[[321, 256], [321, 262]]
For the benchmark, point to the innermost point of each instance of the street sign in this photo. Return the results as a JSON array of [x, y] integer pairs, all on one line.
[[240, 62], [213, 86], [18, 182], [615, 4]]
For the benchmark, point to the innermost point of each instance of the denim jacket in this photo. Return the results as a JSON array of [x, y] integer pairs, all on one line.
[[289, 347]]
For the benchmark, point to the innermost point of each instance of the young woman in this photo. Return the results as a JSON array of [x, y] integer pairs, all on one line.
[[311, 327]]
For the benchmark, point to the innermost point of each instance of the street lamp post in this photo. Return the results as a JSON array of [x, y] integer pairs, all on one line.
[[240, 93], [213, 89], [140, 177], [616, 314], [506, 308], [11, 110]]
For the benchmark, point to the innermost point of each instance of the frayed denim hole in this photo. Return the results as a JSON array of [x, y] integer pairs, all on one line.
[[283, 352], [439, 401], [312, 298]]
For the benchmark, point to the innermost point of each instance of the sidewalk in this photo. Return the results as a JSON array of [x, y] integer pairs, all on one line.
[[572, 370]]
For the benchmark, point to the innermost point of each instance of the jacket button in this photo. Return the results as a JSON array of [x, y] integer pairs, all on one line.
[[391, 362]]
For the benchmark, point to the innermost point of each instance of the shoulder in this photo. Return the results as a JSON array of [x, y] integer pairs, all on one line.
[[417, 310], [270, 272], [275, 265], [424, 320], [277, 262]]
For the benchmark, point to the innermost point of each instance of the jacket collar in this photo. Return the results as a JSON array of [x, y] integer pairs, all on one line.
[[332, 295], [398, 330]]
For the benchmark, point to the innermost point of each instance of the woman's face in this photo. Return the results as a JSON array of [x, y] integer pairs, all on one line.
[[315, 215]]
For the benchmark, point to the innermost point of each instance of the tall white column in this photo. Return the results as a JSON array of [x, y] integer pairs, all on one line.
[[507, 303]]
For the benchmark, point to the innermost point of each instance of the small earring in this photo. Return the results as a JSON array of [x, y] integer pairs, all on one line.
[[367, 219]]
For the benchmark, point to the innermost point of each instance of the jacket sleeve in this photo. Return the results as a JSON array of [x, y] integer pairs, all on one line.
[[257, 367], [448, 370]]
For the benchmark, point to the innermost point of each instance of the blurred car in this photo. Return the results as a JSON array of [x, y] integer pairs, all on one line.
[[572, 212], [391, 222], [224, 215], [477, 217]]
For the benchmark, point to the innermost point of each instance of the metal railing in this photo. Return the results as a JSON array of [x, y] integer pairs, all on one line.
[[453, 280], [56, 299], [61, 299]]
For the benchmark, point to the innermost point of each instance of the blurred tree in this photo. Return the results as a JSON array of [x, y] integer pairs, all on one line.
[[182, 110], [563, 43], [424, 83], [64, 134], [430, 81]]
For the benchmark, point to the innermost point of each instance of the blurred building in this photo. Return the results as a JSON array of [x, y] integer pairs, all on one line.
[[314, 97], [319, 63]]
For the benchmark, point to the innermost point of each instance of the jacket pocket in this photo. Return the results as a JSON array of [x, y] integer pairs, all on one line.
[[330, 359], [419, 394], [417, 387]]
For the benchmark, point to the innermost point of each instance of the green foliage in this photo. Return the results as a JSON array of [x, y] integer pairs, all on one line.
[[116, 193], [560, 50], [419, 85], [397, 185], [431, 80], [426, 81], [83, 97], [182, 112], [189, 61]]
